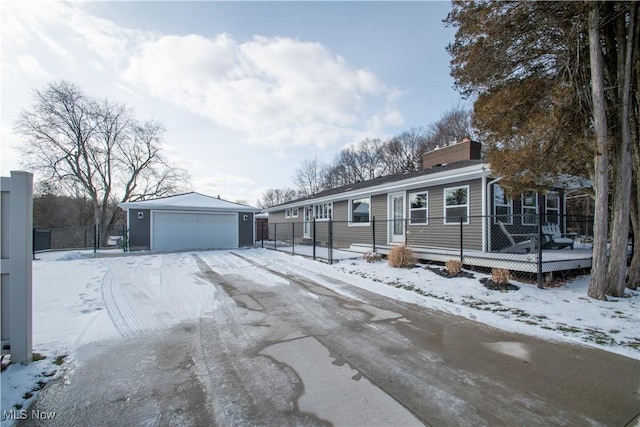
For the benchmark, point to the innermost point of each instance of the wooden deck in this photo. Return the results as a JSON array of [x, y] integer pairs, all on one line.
[[552, 260]]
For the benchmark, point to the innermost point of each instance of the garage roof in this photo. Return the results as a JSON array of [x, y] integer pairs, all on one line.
[[189, 202]]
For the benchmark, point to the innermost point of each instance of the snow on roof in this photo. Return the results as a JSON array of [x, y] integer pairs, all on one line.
[[189, 201]]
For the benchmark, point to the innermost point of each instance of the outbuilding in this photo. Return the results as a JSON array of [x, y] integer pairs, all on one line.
[[189, 221]]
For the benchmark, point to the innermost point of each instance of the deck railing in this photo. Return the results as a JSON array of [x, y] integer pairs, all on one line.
[[501, 240]]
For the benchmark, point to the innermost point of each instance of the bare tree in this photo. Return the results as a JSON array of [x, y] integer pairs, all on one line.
[[276, 196], [362, 162], [96, 146], [453, 126], [403, 152], [308, 178]]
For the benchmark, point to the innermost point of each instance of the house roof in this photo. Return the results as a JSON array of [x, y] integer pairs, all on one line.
[[189, 202], [465, 169]]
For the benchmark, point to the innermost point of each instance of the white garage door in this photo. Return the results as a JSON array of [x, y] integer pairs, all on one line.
[[186, 230]]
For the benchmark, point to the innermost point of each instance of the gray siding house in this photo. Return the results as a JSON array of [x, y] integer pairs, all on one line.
[[189, 221], [424, 207]]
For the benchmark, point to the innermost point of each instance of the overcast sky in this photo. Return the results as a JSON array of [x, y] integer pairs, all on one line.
[[246, 90]]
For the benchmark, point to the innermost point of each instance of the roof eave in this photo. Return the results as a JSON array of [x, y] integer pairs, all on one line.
[[467, 172]]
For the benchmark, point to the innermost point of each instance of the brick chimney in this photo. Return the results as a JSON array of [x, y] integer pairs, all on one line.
[[465, 150]]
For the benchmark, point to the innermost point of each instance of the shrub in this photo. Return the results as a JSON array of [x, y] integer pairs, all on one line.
[[500, 276], [401, 256], [371, 256], [453, 267]]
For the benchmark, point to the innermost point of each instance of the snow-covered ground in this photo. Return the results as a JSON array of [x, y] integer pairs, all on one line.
[[72, 291]]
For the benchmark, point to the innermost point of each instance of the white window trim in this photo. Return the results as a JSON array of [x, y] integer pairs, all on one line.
[[287, 213], [425, 209], [350, 210], [523, 207], [296, 212], [444, 203], [322, 207], [495, 205]]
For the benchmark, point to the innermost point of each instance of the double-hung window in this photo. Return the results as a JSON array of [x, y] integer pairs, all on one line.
[[552, 208], [360, 211], [294, 213], [456, 205], [419, 207], [502, 206], [529, 208], [287, 213]]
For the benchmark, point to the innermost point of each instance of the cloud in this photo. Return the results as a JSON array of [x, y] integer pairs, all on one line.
[[30, 65], [276, 91]]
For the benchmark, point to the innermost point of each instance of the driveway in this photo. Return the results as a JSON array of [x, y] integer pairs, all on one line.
[[224, 338]]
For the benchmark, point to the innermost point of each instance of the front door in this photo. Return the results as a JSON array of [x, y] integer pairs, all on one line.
[[396, 218], [307, 222]]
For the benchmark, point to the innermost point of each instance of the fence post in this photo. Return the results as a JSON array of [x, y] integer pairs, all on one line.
[[461, 240], [20, 222], [314, 239], [539, 247], [373, 234], [293, 238], [330, 240], [275, 236]]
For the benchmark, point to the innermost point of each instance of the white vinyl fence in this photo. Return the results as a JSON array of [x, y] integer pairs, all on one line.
[[16, 242]]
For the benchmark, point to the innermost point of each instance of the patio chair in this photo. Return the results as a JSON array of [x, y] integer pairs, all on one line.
[[523, 247], [554, 239]]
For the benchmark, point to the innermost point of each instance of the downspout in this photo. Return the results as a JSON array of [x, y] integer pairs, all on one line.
[[486, 244]]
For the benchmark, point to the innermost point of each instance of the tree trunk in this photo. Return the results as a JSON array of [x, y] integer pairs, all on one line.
[[597, 287], [633, 278], [617, 269], [96, 217]]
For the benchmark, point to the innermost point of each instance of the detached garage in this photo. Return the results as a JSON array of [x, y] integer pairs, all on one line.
[[189, 221]]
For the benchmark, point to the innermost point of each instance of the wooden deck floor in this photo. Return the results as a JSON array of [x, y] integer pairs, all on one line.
[[552, 260]]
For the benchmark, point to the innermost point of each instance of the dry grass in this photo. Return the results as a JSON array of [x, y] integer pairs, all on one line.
[[453, 267], [401, 256], [500, 276], [371, 257]]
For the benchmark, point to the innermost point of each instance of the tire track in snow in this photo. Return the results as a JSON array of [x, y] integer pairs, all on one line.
[[120, 312]]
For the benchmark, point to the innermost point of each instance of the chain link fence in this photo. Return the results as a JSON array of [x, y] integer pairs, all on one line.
[[520, 243], [90, 237]]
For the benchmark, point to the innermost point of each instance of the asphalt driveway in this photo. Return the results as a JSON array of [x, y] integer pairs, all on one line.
[[221, 338]]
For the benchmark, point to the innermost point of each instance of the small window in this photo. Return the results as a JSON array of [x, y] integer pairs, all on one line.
[[502, 206], [287, 213], [359, 210], [419, 208], [323, 212], [552, 208], [294, 213], [529, 208], [456, 205]]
